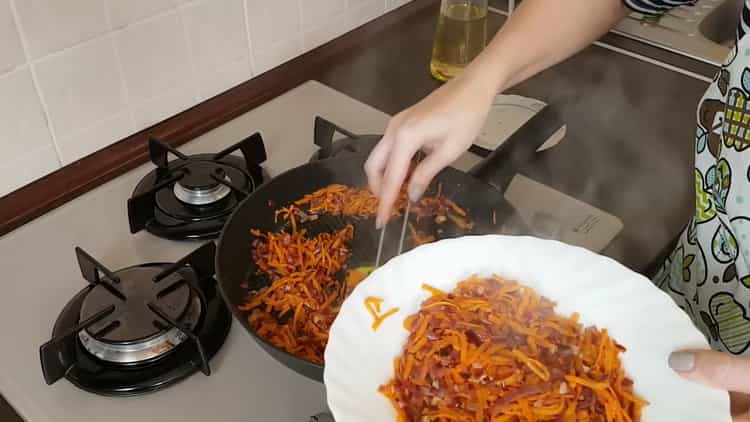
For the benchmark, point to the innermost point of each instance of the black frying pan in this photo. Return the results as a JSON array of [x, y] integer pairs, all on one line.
[[235, 267]]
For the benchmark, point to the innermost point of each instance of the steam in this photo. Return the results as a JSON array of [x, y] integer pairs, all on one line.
[[629, 148]]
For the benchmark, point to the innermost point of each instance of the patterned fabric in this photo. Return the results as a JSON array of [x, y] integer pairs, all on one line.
[[656, 7], [708, 273]]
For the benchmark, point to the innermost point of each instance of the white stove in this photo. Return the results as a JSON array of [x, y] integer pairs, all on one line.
[[42, 274]]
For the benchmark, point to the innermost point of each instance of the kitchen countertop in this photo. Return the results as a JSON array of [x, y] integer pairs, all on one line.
[[630, 128]]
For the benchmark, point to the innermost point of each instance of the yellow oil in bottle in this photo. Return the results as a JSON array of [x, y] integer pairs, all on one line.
[[460, 36]]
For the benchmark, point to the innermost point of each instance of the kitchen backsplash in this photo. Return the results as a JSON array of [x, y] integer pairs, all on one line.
[[78, 75]]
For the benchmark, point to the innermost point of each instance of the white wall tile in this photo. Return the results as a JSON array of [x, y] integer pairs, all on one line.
[[273, 22], [125, 12], [336, 26], [218, 39], [94, 137], [81, 86], [11, 51], [107, 68], [27, 167], [155, 58], [51, 25], [166, 105], [223, 78], [318, 12], [359, 12], [25, 144], [22, 122], [271, 56]]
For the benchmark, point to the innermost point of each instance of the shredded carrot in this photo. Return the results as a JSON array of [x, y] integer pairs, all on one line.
[[297, 309], [419, 237], [346, 201], [435, 292], [380, 318], [373, 305], [495, 351], [342, 200]]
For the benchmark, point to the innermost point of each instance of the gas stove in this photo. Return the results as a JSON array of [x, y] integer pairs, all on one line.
[[138, 329]]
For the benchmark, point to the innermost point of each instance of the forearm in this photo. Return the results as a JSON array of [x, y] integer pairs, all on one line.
[[540, 34]]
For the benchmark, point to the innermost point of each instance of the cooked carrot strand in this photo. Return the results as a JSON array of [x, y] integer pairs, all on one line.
[[379, 320], [433, 290], [295, 311], [495, 351]]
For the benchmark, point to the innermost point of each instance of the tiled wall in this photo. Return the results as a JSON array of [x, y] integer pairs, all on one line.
[[78, 75]]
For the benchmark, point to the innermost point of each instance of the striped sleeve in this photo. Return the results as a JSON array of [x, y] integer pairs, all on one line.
[[656, 7]]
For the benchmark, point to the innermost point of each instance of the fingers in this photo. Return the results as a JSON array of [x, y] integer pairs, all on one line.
[[718, 370], [425, 172], [397, 167], [376, 163]]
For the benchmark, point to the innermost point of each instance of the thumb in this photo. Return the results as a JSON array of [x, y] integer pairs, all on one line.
[[715, 369]]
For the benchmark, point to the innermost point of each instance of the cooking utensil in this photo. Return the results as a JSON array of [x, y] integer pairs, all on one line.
[[379, 253], [236, 270], [403, 228], [417, 159]]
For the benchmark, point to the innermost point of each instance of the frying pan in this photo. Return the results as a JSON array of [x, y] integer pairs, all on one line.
[[235, 268]]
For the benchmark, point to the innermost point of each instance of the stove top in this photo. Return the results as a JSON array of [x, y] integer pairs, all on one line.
[[192, 196], [245, 382], [138, 329]]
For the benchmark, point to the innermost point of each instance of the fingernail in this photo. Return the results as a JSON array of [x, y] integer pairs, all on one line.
[[682, 361], [415, 193], [379, 223]]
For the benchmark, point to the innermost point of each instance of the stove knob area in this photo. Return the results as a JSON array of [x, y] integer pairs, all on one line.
[[322, 417]]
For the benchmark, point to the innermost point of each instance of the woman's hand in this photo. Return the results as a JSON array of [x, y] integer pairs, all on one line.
[[719, 370], [442, 125], [445, 123]]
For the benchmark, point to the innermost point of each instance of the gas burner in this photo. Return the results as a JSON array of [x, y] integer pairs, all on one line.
[[204, 183], [192, 196], [138, 329], [350, 144]]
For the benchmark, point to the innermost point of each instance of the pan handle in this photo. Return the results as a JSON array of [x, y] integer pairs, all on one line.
[[508, 159]]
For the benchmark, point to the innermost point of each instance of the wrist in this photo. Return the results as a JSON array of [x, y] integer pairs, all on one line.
[[490, 71]]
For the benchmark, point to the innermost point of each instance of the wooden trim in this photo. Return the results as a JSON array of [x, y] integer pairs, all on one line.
[[41, 196]]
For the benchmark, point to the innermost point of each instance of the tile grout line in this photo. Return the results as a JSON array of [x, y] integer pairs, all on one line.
[[191, 53], [111, 32], [34, 80], [120, 69], [249, 40]]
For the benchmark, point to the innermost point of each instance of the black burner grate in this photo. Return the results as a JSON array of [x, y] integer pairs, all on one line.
[[158, 306], [190, 197]]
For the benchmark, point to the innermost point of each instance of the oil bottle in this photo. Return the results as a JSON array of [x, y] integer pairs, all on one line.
[[460, 36]]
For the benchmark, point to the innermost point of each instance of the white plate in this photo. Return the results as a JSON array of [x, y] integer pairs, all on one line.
[[606, 294]]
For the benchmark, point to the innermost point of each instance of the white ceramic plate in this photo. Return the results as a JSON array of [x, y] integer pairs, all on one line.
[[606, 294]]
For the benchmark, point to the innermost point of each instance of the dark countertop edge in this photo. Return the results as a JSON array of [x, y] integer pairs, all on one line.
[[51, 191]]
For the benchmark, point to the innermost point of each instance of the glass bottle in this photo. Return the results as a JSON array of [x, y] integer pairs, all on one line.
[[460, 36]]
